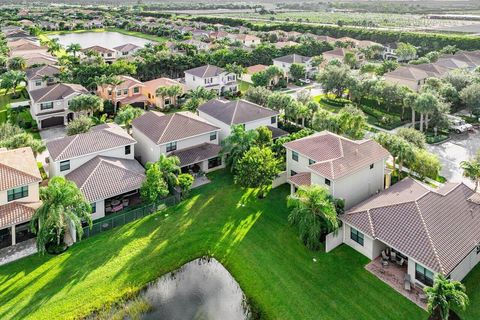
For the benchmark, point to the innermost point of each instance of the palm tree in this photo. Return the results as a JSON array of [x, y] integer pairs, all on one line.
[[444, 295], [17, 63], [169, 166], [313, 213], [471, 170], [10, 80], [88, 103], [74, 48], [237, 143], [63, 206], [162, 92], [174, 92], [54, 45], [126, 115], [426, 103], [21, 140]]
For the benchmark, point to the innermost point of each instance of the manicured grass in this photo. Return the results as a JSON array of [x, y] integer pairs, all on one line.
[[243, 86], [251, 237], [138, 34]]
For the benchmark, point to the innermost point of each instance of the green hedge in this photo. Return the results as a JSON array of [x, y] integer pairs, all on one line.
[[382, 119], [3, 116]]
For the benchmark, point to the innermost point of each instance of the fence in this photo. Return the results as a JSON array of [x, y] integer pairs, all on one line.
[[121, 218]]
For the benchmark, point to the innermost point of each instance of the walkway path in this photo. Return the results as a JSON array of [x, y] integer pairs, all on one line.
[[18, 251]]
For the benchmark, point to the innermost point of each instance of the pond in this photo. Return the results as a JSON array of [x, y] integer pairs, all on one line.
[[105, 39], [200, 289]]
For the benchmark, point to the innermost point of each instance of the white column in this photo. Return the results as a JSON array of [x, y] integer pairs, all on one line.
[[14, 236]]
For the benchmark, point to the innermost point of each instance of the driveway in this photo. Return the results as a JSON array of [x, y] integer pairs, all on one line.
[[49, 134], [459, 148]]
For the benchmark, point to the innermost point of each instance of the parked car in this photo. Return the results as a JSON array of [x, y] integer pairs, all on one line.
[[458, 125]]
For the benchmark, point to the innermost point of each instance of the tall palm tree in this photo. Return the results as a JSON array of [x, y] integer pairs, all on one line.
[[54, 45], [126, 115], [63, 206], [10, 80], [471, 170], [237, 143], [17, 63], [174, 92], [74, 48], [444, 295], [313, 213], [170, 168]]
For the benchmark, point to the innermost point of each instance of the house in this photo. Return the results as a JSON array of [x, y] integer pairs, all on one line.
[[22, 47], [19, 194], [200, 45], [340, 53], [109, 55], [435, 231], [218, 35], [192, 139], [40, 77], [286, 62], [49, 105], [129, 91], [284, 44], [389, 52], [211, 77], [250, 71], [414, 76], [101, 163], [150, 89], [224, 114], [350, 170], [34, 59], [126, 50], [247, 40]]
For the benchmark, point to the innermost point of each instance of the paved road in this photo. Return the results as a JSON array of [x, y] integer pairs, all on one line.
[[461, 147]]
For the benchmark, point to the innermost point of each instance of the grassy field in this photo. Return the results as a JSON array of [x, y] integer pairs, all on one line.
[[138, 34], [251, 237]]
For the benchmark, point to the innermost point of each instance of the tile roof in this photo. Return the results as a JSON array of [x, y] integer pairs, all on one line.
[[98, 49], [162, 82], [39, 72], [18, 167], [256, 68], [128, 82], [205, 71], [336, 156], [408, 72], [301, 179], [453, 63], [14, 213], [127, 47], [437, 228], [338, 52], [197, 154], [277, 132], [99, 138], [293, 58], [162, 128], [236, 111], [106, 177], [55, 92]]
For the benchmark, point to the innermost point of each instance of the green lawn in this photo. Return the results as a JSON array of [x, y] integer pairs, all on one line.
[[250, 237], [138, 34]]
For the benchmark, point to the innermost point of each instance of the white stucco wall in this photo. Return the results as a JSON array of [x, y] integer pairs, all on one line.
[[100, 212], [334, 239], [371, 248], [464, 267], [224, 128], [119, 152], [33, 194]]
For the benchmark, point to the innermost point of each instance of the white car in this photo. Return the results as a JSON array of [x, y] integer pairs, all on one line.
[[459, 125]]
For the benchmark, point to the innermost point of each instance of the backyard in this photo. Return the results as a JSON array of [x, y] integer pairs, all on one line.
[[250, 237]]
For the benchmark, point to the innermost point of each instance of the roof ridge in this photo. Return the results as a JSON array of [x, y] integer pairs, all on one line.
[[234, 112], [93, 170], [435, 253], [166, 127], [371, 223], [68, 146], [48, 91]]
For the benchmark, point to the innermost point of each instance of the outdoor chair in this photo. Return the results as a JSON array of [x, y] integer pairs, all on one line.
[[384, 255], [406, 282], [400, 262], [393, 256]]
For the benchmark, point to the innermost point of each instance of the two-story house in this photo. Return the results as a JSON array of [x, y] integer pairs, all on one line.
[[150, 91], [49, 105], [285, 62], [211, 77], [101, 163], [109, 55], [129, 91], [225, 114], [350, 170], [19, 194], [41, 77], [192, 139], [341, 53], [126, 50]]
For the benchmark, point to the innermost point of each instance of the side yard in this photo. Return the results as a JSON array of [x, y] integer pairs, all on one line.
[[251, 237]]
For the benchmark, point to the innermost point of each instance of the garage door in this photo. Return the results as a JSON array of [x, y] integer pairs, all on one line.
[[50, 122]]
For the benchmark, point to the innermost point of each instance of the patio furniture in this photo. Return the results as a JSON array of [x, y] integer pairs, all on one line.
[[125, 202], [115, 202], [117, 208], [400, 262], [384, 255], [406, 282], [422, 296], [393, 256]]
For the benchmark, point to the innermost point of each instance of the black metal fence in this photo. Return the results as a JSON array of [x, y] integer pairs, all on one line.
[[124, 217]]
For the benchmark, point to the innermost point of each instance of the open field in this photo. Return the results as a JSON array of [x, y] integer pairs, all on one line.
[[251, 237]]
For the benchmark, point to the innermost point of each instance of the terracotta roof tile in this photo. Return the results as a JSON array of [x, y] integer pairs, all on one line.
[[18, 168]]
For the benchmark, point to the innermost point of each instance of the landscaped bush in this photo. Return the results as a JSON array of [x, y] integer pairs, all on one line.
[[3, 116], [383, 119], [431, 138], [288, 126]]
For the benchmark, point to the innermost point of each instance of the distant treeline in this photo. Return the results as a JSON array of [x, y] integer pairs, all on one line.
[[426, 41]]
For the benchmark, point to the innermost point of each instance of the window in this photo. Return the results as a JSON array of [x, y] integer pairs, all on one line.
[[423, 275], [171, 146], [327, 182], [65, 165], [46, 105], [356, 236], [310, 162], [119, 92], [125, 91], [213, 136], [478, 248], [273, 120], [292, 173], [371, 166], [136, 90], [214, 162], [17, 193], [294, 156], [38, 83], [94, 207], [208, 80], [128, 149]]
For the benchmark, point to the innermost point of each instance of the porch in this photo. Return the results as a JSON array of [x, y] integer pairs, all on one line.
[[122, 202], [396, 276]]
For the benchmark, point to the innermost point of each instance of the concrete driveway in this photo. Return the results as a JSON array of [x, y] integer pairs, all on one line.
[[459, 148], [53, 133]]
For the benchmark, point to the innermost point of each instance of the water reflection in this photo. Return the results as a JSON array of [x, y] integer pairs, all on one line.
[[201, 289]]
